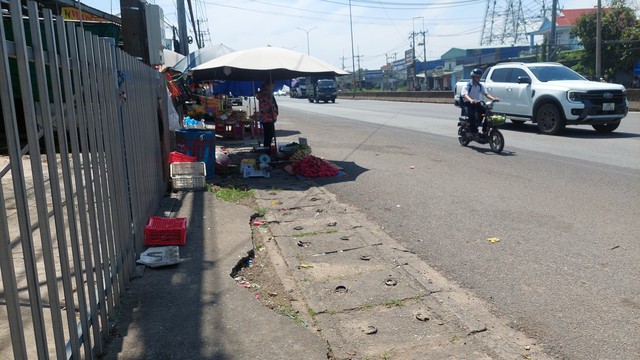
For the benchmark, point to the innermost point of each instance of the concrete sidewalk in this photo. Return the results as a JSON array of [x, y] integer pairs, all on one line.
[[195, 310], [370, 297]]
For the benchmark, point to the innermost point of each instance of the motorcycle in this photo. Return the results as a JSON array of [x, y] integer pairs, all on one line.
[[489, 134]]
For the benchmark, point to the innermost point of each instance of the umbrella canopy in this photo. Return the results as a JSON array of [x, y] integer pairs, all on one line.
[[201, 56], [170, 58], [263, 63]]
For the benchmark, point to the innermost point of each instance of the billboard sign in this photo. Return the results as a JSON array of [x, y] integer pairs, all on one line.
[[409, 56]]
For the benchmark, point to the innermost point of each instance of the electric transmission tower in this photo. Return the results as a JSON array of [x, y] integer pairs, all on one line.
[[505, 22]]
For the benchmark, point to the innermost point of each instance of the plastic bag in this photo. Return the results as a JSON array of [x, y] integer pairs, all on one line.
[[160, 256]]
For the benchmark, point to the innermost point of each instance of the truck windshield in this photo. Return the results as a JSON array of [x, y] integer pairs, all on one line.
[[553, 73], [326, 83]]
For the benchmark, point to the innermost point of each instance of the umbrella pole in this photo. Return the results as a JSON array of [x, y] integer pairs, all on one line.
[[275, 140]]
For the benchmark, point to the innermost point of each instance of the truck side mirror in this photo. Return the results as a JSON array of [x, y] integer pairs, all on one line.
[[524, 80]]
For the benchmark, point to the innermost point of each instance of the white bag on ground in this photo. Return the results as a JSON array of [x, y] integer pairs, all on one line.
[[160, 256]]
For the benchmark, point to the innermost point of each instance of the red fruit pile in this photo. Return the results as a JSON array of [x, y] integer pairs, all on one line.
[[312, 166]]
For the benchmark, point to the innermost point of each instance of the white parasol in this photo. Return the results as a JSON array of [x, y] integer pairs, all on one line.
[[201, 56], [263, 63]]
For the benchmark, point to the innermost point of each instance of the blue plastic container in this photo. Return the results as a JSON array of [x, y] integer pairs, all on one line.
[[201, 144]]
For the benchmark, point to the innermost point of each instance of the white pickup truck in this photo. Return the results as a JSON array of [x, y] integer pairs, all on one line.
[[553, 96]]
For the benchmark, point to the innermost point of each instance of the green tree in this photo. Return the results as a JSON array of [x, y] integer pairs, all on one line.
[[620, 45]]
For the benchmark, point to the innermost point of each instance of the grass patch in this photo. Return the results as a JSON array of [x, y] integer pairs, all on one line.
[[261, 211], [232, 193], [314, 233], [392, 303], [312, 313], [303, 234]]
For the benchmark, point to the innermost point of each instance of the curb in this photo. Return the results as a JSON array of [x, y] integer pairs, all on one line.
[[464, 319]]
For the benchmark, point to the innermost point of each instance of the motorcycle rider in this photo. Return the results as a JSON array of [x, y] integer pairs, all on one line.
[[471, 96]]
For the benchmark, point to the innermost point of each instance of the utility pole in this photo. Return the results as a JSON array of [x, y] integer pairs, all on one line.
[[413, 51], [196, 33], [413, 59], [359, 69], [182, 28], [353, 58], [390, 65], [424, 49], [598, 41], [551, 54]]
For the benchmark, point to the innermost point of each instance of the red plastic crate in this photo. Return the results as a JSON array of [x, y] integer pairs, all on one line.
[[165, 231], [176, 156]]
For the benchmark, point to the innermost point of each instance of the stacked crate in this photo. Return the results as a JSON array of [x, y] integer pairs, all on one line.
[[188, 175]]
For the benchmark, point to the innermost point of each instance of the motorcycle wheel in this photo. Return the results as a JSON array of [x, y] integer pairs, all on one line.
[[462, 137], [496, 141]]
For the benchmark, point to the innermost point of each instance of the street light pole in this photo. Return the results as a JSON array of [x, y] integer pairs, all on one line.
[[307, 31]]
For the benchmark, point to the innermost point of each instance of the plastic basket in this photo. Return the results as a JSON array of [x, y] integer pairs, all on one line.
[[188, 182], [497, 120], [176, 156], [188, 168], [165, 231], [188, 176]]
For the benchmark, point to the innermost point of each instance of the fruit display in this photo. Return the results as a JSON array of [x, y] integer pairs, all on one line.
[[301, 152], [312, 166]]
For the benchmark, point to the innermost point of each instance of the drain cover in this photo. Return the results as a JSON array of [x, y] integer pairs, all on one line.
[[341, 289], [369, 330]]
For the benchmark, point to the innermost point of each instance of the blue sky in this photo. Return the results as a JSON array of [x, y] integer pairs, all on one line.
[[381, 29]]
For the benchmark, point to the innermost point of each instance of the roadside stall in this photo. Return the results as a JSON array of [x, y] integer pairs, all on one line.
[[242, 73]]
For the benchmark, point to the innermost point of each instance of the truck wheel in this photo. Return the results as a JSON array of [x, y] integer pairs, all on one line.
[[606, 128], [317, 101], [333, 101], [310, 100], [549, 120]]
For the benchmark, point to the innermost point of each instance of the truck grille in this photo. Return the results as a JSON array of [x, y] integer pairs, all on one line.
[[598, 97], [593, 101]]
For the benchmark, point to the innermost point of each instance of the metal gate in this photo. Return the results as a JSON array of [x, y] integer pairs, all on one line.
[[81, 170]]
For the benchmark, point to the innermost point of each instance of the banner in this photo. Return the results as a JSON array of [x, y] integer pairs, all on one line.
[[71, 13]]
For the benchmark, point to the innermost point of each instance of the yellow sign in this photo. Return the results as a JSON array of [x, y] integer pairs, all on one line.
[[71, 13]]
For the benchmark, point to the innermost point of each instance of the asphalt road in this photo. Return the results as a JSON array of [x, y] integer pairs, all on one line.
[[565, 209]]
